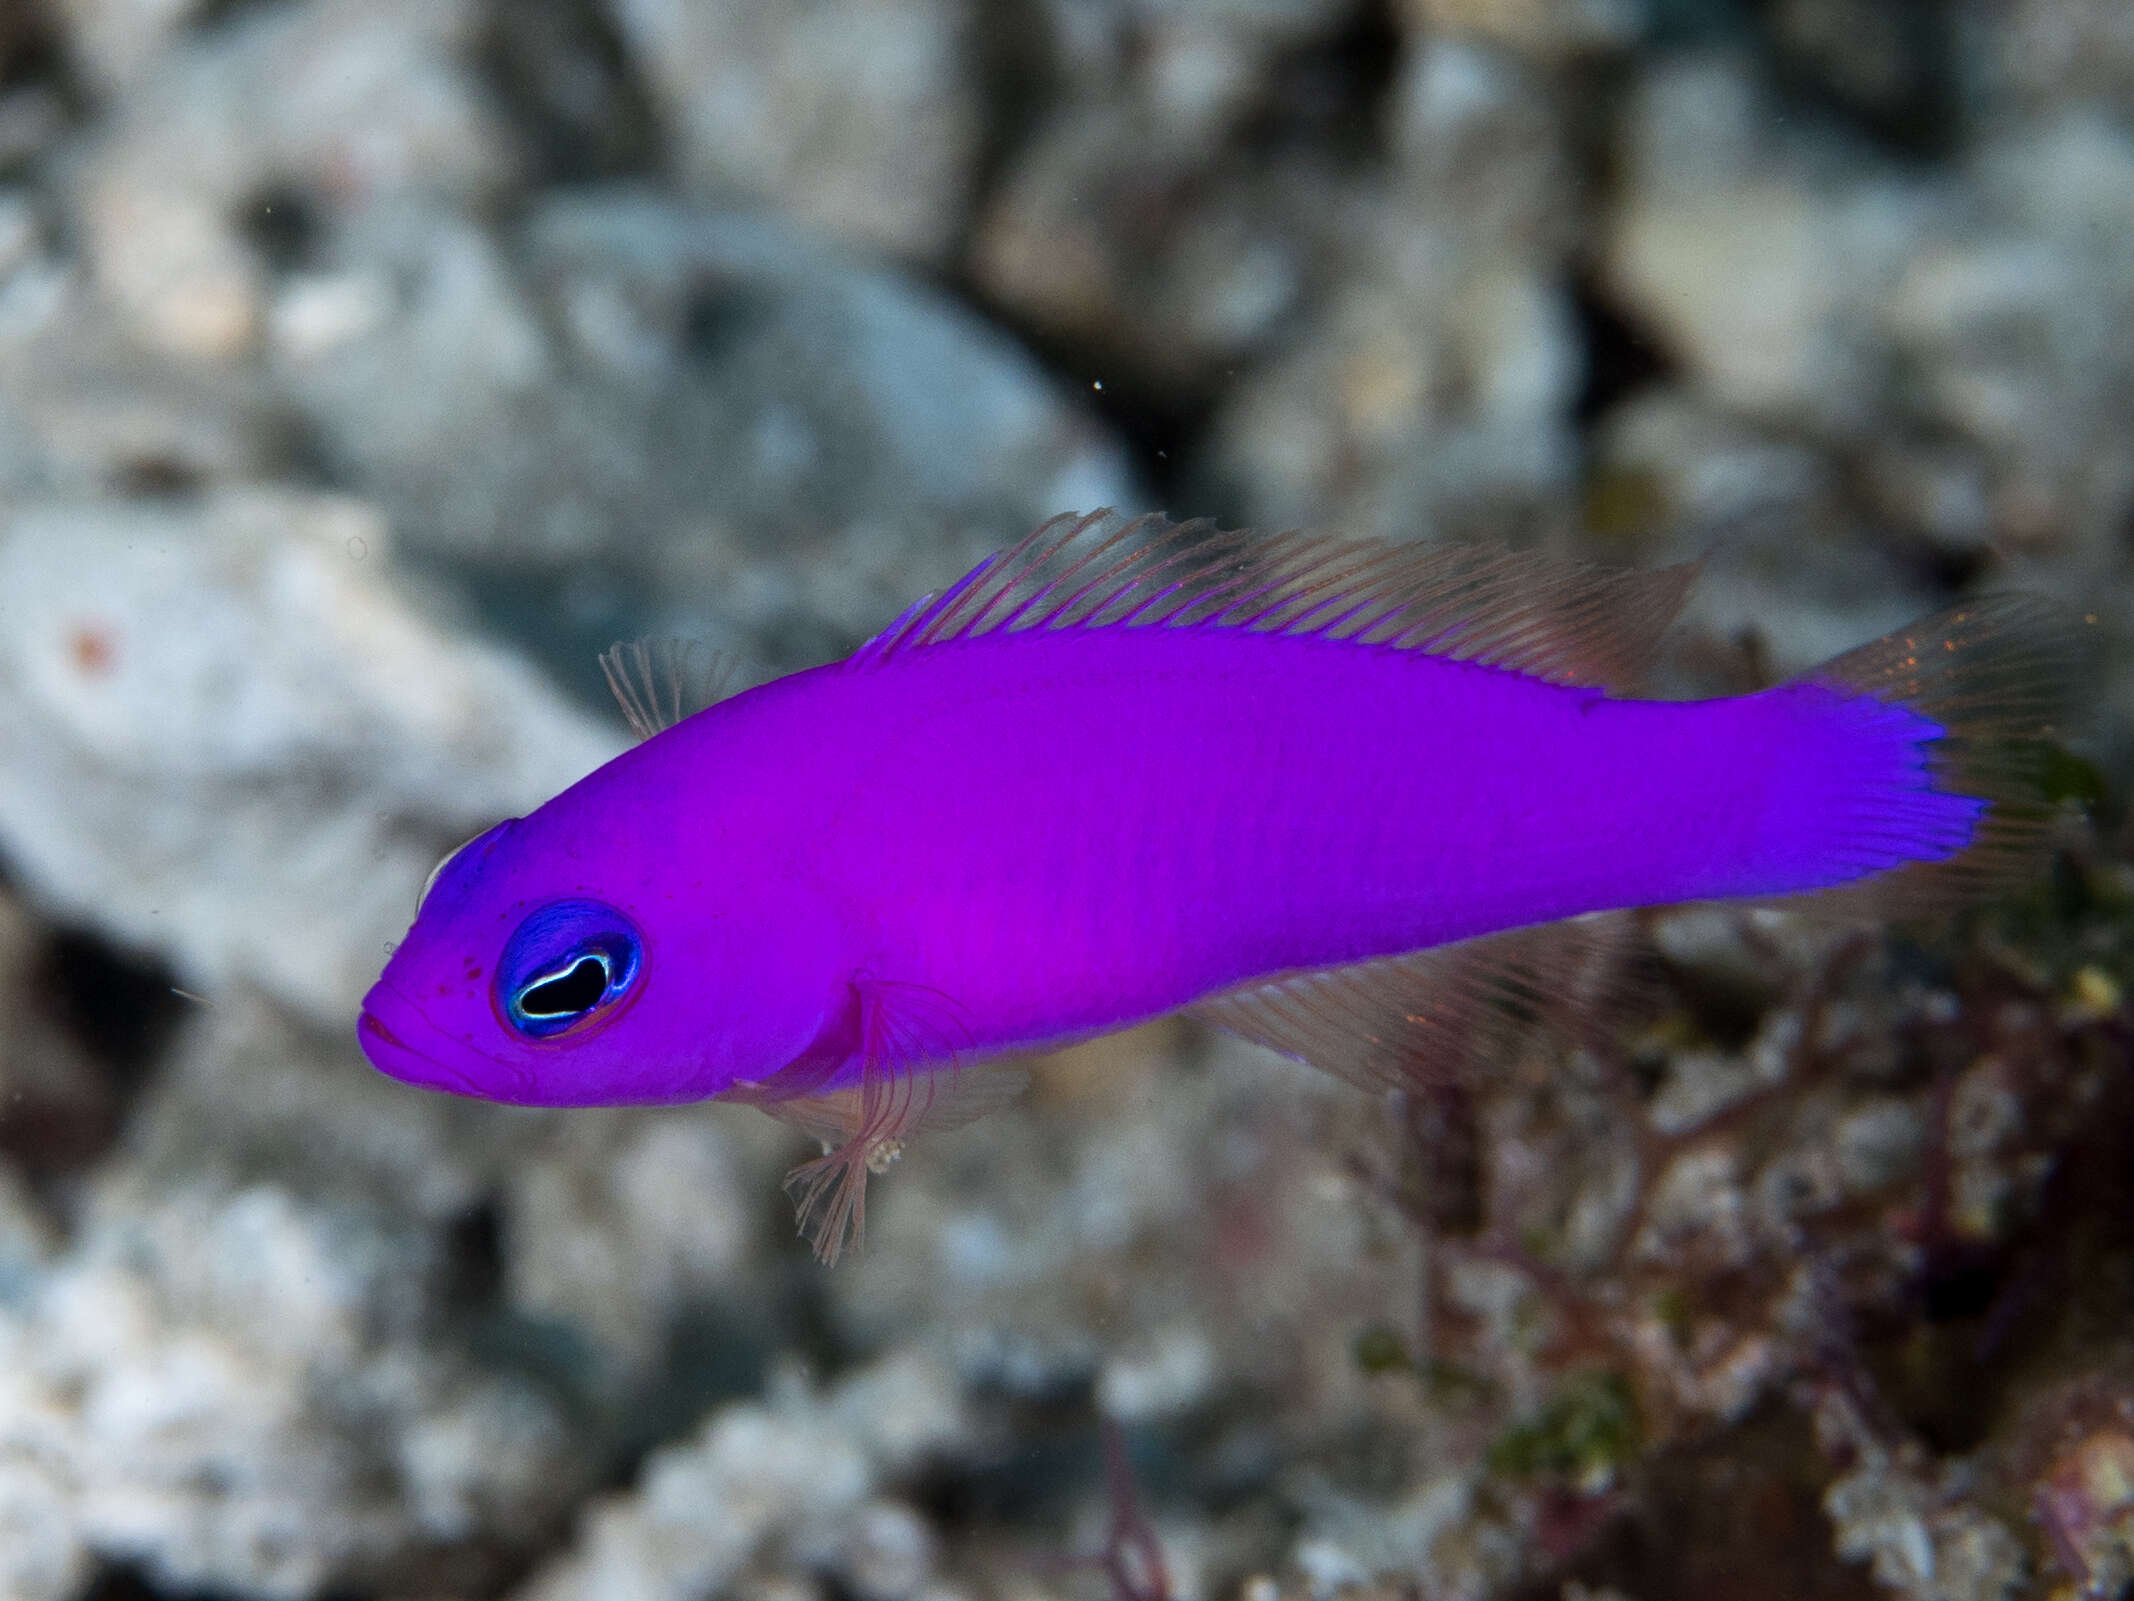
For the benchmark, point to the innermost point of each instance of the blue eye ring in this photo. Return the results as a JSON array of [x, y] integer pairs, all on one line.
[[566, 969]]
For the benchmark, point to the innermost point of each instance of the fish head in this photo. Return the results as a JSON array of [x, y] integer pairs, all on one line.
[[535, 977]]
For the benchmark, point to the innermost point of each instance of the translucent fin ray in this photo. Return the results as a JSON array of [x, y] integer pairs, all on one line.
[[1999, 676], [914, 1071], [658, 682], [1430, 1016], [1565, 621]]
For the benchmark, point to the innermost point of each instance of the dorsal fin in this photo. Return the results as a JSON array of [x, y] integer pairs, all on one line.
[[1565, 621], [1403, 1022], [658, 682]]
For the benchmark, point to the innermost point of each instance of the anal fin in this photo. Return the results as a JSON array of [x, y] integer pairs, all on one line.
[[1433, 1016]]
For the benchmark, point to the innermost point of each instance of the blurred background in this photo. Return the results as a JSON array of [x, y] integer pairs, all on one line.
[[366, 366]]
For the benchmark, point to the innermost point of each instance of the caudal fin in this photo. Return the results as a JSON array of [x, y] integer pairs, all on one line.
[[1989, 685]]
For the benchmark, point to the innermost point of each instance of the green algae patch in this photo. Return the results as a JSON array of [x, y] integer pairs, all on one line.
[[1585, 1433]]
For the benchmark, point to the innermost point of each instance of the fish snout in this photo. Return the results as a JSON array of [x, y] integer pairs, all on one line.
[[403, 1044]]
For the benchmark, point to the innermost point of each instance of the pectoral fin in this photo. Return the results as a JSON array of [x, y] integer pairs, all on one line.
[[658, 682], [914, 1069]]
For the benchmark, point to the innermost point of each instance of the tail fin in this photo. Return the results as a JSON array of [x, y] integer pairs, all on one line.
[[1992, 680]]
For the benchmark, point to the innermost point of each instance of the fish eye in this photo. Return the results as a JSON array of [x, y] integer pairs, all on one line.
[[565, 967], [566, 994]]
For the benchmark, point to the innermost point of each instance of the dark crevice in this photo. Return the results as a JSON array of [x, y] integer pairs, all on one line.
[[281, 224], [303, 454], [474, 1256], [1157, 427], [1988, 1318], [1697, 24], [722, 317], [1328, 95], [1932, 1368], [121, 1005], [1324, 95], [1036, 1472], [1622, 358], [712, 1356], [30, 51], [92, 1021], [1157, 423], [123, 1581], [1017, 79], [1739, 1516], [43, 92], [210, 14], [561, 73], [1884, 70], [1961, 1285], [157, 477], [103, 1020]]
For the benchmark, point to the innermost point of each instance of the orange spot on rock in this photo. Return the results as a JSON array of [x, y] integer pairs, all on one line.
[[93, 649]]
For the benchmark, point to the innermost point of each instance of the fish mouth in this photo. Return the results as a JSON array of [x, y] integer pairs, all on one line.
[[402, 1044]]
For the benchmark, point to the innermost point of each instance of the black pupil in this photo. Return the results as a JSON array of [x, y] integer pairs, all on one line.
[[567, 994]]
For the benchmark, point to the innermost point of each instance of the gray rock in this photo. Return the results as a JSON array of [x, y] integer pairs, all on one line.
[[613, 1259], [859, 118], [1795, 574], [1922, 1538], [43, 1553], [116, 42], [1435, 403], [251, 1099], [752, 440], [1135, 221], [1113, 234], [85, 411], [1477, 138], [618, 1223], [27, 1240], [1762, 265], [2013, 325], [237, 1372], [1879, 1143], [1226, 1176], [2049, 53], [1428, 388], [229, 740], [884, 1551], [1553, 31], [760, 1479], [236, 1422], [1436, 1531], [1191, 68], [347, 102], [1960, 332]]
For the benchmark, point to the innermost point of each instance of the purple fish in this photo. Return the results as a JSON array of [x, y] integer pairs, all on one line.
[[1338, 797]]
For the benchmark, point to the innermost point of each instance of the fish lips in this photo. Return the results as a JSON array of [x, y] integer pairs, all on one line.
[[403, 1044]]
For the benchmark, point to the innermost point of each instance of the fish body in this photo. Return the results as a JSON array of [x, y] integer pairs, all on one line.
[[1206, 774]]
